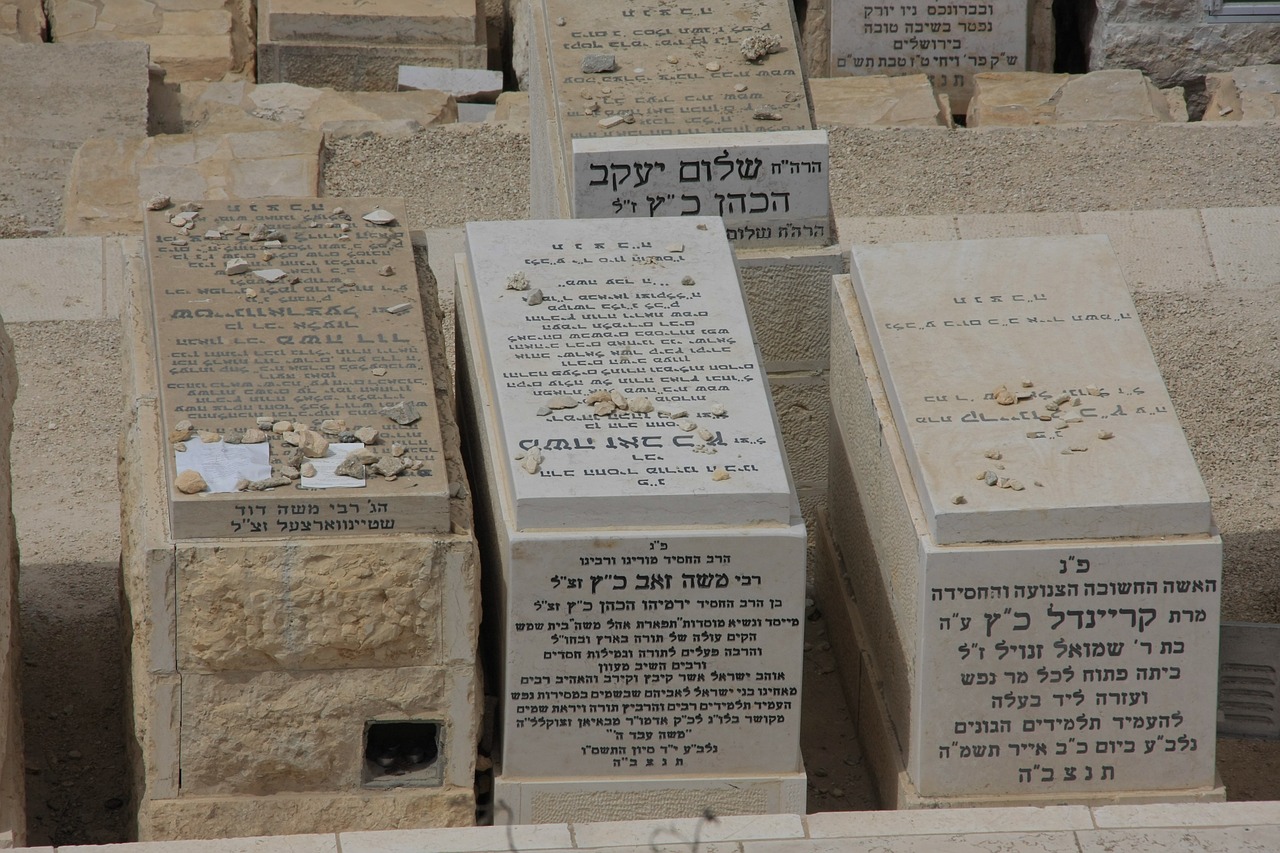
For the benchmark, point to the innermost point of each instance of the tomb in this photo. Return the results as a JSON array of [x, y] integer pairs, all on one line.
[[13, 811], [691, 110], [644, 556], [361, 44], [1019, 563], [949, 43], [300, 577]]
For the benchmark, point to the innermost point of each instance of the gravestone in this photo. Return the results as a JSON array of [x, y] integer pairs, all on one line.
[[361, 44], [295, 535], [12, 766], [949, 42], [1022, 528], [648, 570], [672, 86]]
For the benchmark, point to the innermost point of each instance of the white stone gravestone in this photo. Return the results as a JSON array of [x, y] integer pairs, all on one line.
[[1023, 528], [648, 582], [950, 42]]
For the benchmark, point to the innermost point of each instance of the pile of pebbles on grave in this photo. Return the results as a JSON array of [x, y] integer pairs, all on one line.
[[301, 443], [1058, 414]]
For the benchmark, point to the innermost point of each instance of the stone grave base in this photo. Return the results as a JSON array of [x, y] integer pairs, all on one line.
[[346, 67], [520, 801], [863, 691], [876, 566], [292, 814]]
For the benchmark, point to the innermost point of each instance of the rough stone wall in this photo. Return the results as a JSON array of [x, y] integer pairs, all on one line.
[[12, 805], [1174, 42]]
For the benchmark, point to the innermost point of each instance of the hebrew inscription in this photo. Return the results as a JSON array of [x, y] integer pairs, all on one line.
[[1079, 669], [654, 656], [949, 42], [771, 189], [301, 311]]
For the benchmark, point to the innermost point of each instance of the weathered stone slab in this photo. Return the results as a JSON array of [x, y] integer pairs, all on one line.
[[644, 551], [950, 42], [659, 317], [430, 22], [771, 189], [1251, 93], [357, 45], [878, 100], [465, 84], [22, 21], [1115, 463], [669, 74], [317, 344], [1018, 99], [1078, 669]]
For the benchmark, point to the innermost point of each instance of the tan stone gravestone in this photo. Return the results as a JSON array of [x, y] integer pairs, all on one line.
[[647, 583], [13, 809], [298, 564], [666, 111], [1021, 567], [361, 44]]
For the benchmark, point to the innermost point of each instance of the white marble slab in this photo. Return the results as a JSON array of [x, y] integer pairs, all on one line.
[[770, 188], [651, 309], [950, 322]]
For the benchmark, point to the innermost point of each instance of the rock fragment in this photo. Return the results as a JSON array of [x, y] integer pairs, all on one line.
[[236, 266], [367, 435], [190, 482], [756, 47], [599, 63], [379, 217], [532, 461], [404, 413]]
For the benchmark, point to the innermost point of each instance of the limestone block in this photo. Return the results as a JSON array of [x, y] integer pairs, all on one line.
[[193, 57], [907, 101], [102, 195], [513, 108], [12, 764], [275, 732], [128, 18], [318, 605], [1119, 95], [22, 21], [1014, 98], [1028, 98], [287, 814], [1178, 53], [1245, 94]]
